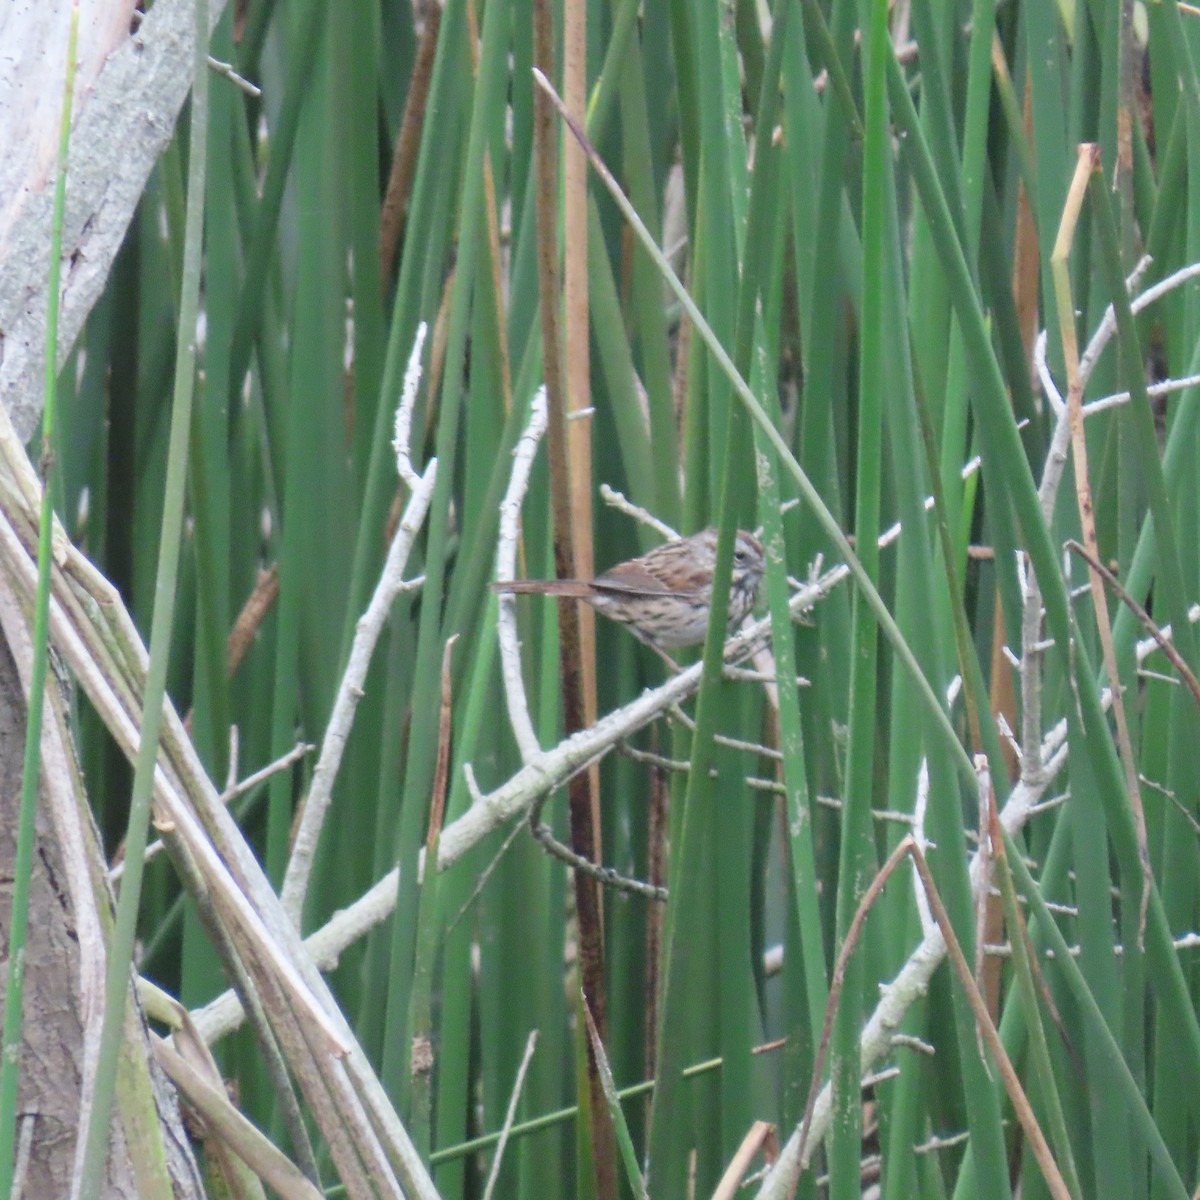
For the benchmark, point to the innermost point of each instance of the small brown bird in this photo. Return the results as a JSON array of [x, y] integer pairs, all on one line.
[[663, 596]]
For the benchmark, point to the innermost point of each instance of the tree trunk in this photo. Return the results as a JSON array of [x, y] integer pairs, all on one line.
[[70, 915]]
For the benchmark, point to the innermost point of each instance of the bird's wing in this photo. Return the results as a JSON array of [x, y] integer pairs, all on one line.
[[634, 581]]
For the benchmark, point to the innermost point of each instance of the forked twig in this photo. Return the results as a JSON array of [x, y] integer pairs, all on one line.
[[608, 876], [1088, 164], [366, 635], [909, 848], [905, 846], [1163, 642], [1012, 1082]]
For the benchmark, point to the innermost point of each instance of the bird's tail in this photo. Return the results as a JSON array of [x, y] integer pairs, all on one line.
[[578, 588]]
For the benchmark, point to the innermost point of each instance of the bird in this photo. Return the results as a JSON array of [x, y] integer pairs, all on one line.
[[664, 596]]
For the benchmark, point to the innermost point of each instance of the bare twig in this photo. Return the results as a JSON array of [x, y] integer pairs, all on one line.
[[760, 1136], [404, 412], [226, 71], [1153, 390], [1012, 1082], [404, 157], [1088, 165], [617, 500], [510, 1116], [839, 975], [506, 559], [1160, 639], [224, 1014], [366, 635], [607, 876], [258, 604], [229, 795]]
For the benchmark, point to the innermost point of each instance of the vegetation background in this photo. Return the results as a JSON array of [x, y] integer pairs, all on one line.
[[877, 209]]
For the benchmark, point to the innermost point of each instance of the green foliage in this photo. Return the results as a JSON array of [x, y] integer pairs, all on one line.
[[867, 228]]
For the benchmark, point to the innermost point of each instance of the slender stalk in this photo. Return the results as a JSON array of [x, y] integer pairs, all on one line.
[[1012, 1083], [116, 989], [1024, 966], [573, 645], [14, 991], [857, 852]]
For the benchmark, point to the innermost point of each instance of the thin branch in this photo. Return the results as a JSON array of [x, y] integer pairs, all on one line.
[[839, 975], [225, 1014], [510, 1116], [366, 635], [1160, 639], [1012, 1082], [617, 500], [404, 412], [506, 560], [226, 71], [254, 611], [1154, 390], [608, 876], [228, 796]]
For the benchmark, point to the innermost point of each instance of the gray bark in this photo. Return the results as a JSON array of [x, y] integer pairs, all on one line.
[[149, 1155], [129, 94], [130, 88]]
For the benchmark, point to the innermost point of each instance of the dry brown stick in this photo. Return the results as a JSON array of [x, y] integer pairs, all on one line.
[[1163, 642], [577, 370], [441, 771], [581, 806], [1088, 164], [254, 611], [760, 1136], [1012, 1084], [1026, 274], [839, 977], [656, 874], [408, 140], [1000, 855]]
